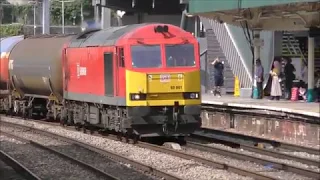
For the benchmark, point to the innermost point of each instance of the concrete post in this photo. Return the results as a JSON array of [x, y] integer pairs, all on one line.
[[310, 95], [140, 17], [196, 26], [97, 14], [257, 54], [45, 17], [257, 45], [183, 22], [105, 18]]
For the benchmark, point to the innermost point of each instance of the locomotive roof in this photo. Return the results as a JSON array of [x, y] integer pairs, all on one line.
[[105, 37]]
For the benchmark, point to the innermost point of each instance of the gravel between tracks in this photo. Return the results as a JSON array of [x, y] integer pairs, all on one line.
[[92, 158], [284, 161], [278, 174], [43, 163], [185, 169]]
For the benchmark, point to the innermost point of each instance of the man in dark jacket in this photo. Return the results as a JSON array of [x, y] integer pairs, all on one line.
[[218, 76], [289, 77]]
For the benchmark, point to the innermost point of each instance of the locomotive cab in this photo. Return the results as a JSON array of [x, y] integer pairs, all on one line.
[[163, 84]]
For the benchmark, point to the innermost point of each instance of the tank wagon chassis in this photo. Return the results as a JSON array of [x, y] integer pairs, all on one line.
[[108, 80]]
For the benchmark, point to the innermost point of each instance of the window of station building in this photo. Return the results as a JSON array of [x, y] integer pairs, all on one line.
[[121, 58], [180, 55], [146, 56]]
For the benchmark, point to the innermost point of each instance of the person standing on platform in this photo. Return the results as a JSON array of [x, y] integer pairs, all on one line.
[[218, 76], [317, 86], [304, 75], [275, 86], [289, 70], [259, 77]]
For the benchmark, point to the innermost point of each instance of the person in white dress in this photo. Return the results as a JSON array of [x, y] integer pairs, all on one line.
[[276, 92]]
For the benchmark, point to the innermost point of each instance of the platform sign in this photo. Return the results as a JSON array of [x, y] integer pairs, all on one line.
[[165, 78]]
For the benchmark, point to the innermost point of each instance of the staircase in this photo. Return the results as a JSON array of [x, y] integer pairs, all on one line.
[[298, 47], [291, 46], [214, 50], [220, 44]]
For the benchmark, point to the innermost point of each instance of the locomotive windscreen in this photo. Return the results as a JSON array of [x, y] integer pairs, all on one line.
[[180, 55], [144, 56]]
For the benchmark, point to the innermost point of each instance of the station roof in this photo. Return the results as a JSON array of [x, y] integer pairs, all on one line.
[[292, 15]]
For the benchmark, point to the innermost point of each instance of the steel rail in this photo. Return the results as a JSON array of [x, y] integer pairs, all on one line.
[[241, 156], [64, 156], [18, 167], [211, 163], [272, 153], [242, 139], [112, 156]]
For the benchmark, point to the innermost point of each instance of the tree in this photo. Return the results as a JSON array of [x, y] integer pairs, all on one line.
[[13, 13], [72, 12]]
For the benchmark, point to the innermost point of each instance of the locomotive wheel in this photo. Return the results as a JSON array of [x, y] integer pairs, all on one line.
[[135, 139], [84, 130], [127, 137], [77, 127], [119, 136]]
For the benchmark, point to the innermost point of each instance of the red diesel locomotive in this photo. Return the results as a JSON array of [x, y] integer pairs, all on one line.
[[141, 79]]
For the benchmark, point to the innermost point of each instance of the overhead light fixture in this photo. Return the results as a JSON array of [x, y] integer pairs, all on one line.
[[133, 4], [120, 13]]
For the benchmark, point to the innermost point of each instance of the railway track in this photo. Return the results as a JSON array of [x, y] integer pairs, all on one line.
[[114, 157], [20, 170], [100, 174], [211, 163], [244, 140], [259, 160]]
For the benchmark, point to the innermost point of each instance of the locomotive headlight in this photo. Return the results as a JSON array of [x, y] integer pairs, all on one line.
[[194, 95], [191, 95], [137, 96]]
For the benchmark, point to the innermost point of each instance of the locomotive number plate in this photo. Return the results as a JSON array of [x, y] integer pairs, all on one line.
[[165, 78]]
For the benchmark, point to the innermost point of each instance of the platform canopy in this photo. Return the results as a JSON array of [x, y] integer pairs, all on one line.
[[283, 15]]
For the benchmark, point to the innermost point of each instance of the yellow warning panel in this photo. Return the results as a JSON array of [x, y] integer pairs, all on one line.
[[236, 87]]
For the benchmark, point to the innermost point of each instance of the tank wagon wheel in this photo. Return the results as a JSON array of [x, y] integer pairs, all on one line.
[[63, 121], [30, 112], [24, 115], [91, 129], [103, 132], [77, 126]]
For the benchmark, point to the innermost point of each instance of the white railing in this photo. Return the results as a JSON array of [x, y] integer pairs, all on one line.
[[295, 46]]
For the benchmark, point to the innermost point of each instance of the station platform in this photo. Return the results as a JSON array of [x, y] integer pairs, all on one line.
[[291, 122], [296, 107]]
